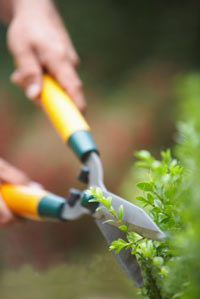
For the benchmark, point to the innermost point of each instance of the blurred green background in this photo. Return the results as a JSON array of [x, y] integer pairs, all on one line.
[[131, 54]]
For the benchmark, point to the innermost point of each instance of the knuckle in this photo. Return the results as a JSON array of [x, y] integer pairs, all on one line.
[[17, 48], [28, 72], [82, 107], [75, 61], [56, 52], [61, 53], [74, 87], [78, 84]]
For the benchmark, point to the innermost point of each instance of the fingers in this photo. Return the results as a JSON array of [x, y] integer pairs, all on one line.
[[68, 79], [10, 174], [6, 215], [28, 74], [69, 51], [43, 43]]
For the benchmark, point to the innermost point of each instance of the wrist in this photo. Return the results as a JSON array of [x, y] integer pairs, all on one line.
[[21, 7]]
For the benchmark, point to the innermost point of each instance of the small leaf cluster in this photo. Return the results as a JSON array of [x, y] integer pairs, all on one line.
[[116, 216], [160, 197], [160, 193]]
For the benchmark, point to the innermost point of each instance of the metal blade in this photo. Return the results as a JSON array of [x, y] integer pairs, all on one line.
[[134, 217], [125, 258]]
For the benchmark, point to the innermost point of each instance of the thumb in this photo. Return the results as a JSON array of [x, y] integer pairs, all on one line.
[[6, 215], [28, 74]]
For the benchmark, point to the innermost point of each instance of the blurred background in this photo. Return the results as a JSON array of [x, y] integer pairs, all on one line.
[[131, 55]]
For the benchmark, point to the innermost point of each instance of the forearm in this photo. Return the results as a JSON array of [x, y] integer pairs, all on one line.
[[9, 8], [6, 10]]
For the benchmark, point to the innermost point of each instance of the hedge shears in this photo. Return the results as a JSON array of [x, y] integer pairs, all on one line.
[[39, 204]]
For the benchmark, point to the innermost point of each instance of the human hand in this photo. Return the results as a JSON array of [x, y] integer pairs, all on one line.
[[38, 40], [9, 174]]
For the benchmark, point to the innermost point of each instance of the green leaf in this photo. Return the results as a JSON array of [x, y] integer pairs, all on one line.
[[158, 203], [118, 245], [108, 202], [164, 271], [145, 186], [133, 237], [112, 211], [120, 212], [156, 210], [143, 155], [134, 251], [166, 156], [92, 190], [99, 192], [93, 200], [112, 247], [123, 228], [178, 295], [104, 202], [158, 261], [141, 198], [150, 198]]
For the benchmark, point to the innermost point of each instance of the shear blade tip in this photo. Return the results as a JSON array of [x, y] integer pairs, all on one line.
[[161, 236]]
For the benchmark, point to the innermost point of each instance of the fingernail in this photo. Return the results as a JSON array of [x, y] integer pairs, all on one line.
[[33, 91], [80, 101], [35, 185]]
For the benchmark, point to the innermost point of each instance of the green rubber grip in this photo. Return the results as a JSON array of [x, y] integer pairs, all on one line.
[[50, 206], [81, 142], [85, 201]]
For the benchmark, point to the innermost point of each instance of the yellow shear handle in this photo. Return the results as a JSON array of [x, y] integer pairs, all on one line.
[[22, 200], [66, 118], [61, 109], [32, 203]]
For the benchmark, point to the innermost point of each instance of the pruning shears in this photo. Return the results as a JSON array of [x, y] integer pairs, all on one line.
[[39, 204]]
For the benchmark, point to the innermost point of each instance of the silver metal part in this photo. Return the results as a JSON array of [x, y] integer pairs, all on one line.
[[134, 217], [128, 261], [96, 171], [74, 212]]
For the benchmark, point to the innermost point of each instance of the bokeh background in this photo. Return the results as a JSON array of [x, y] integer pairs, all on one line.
[[131, 55]]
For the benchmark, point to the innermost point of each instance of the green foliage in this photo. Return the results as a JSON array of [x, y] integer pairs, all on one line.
[[160, 194], [106, 202], [170, 194]]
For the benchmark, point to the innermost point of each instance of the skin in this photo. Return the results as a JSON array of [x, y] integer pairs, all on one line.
[[37, 40], [9, 174]]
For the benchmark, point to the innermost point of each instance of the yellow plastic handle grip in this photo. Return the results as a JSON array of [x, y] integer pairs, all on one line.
[[61, 110], [22, 200]]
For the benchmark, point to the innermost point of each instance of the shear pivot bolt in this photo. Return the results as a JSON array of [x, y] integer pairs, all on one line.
[[74, 196], [84, 175]]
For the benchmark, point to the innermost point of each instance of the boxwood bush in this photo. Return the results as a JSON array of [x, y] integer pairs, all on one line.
[[170, 193]]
